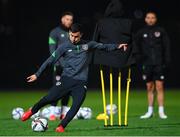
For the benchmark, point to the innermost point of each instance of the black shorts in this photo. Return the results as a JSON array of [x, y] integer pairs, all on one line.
[[152, 73]]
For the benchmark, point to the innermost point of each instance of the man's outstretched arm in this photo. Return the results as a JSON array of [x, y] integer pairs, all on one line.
[[108, 47], [51, 60]]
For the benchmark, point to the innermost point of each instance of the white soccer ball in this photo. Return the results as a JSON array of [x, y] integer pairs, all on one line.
[[17, 113], [35, 115], [39, 124], [108, 109], [85, 113], [57, 111], [45, 113]]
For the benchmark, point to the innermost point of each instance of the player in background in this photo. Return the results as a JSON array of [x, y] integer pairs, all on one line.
[[58, 36], [154, 47]]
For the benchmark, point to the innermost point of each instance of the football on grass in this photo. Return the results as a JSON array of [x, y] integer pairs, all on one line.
[[39, 124], [84, 113], [108, 109], [17, 113]]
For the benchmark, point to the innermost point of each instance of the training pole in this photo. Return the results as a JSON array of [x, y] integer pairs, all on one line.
[[111, 96], [119, 98], [127, 97], [103, 94]]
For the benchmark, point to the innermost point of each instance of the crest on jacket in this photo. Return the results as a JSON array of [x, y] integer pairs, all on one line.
[[157, 34], [85, 47]]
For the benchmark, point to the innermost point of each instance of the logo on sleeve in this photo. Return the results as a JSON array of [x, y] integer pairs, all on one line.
[[54, 54], [85, 87], [58, 83], [157, 34], [145, 35], [58, 78], [70, 50], [85, 47], [162, 77], [144, 77], [62, 35]]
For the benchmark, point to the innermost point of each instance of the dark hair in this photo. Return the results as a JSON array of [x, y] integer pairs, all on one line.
[[76, 27], [67, 13]]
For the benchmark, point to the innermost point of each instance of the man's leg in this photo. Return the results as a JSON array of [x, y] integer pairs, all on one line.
[[160, 92], [159, 81], [52, 116], [160, 98], [50, 97], [148, 78], [78, 96], [56, 81], [150, 95], [64, 104], [55, 93]]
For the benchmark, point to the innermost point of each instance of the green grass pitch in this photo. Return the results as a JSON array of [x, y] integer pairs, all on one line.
[[137, 107]]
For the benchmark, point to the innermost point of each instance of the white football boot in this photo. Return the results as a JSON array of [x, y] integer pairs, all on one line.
[[147, 115]]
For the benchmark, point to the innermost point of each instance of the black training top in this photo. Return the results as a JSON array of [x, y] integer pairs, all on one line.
[[57, 36], [154, 45]]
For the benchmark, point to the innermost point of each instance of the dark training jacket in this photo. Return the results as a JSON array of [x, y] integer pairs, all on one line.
[[58, 36], [113, 28], [153, 45], [75, 58]]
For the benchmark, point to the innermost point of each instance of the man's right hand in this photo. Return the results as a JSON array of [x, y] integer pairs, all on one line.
[[124, 46], [32, 78]]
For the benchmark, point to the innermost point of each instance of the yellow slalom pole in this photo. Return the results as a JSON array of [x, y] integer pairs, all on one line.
[[119, 98], [127, 97], [111, 97], [103, 94]]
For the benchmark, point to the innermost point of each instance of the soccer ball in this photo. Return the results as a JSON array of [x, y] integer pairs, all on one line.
[[45, 113], [35, 115], [85, 113], [17, 113], [39, 124], [57, 111], [108, 109]]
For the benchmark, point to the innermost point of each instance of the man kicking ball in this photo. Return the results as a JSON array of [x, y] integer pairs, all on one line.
[[74, 75]]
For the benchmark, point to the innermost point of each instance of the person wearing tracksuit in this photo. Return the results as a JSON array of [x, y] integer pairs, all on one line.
[[58, 36], [74, 75], [154, 47]]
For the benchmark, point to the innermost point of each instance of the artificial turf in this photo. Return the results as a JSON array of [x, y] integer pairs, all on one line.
[[136, 127]]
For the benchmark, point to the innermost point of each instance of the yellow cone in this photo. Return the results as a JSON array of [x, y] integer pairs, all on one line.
[[102, 116]]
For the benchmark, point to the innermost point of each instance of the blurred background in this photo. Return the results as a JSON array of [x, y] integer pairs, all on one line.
[[25, 26]]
